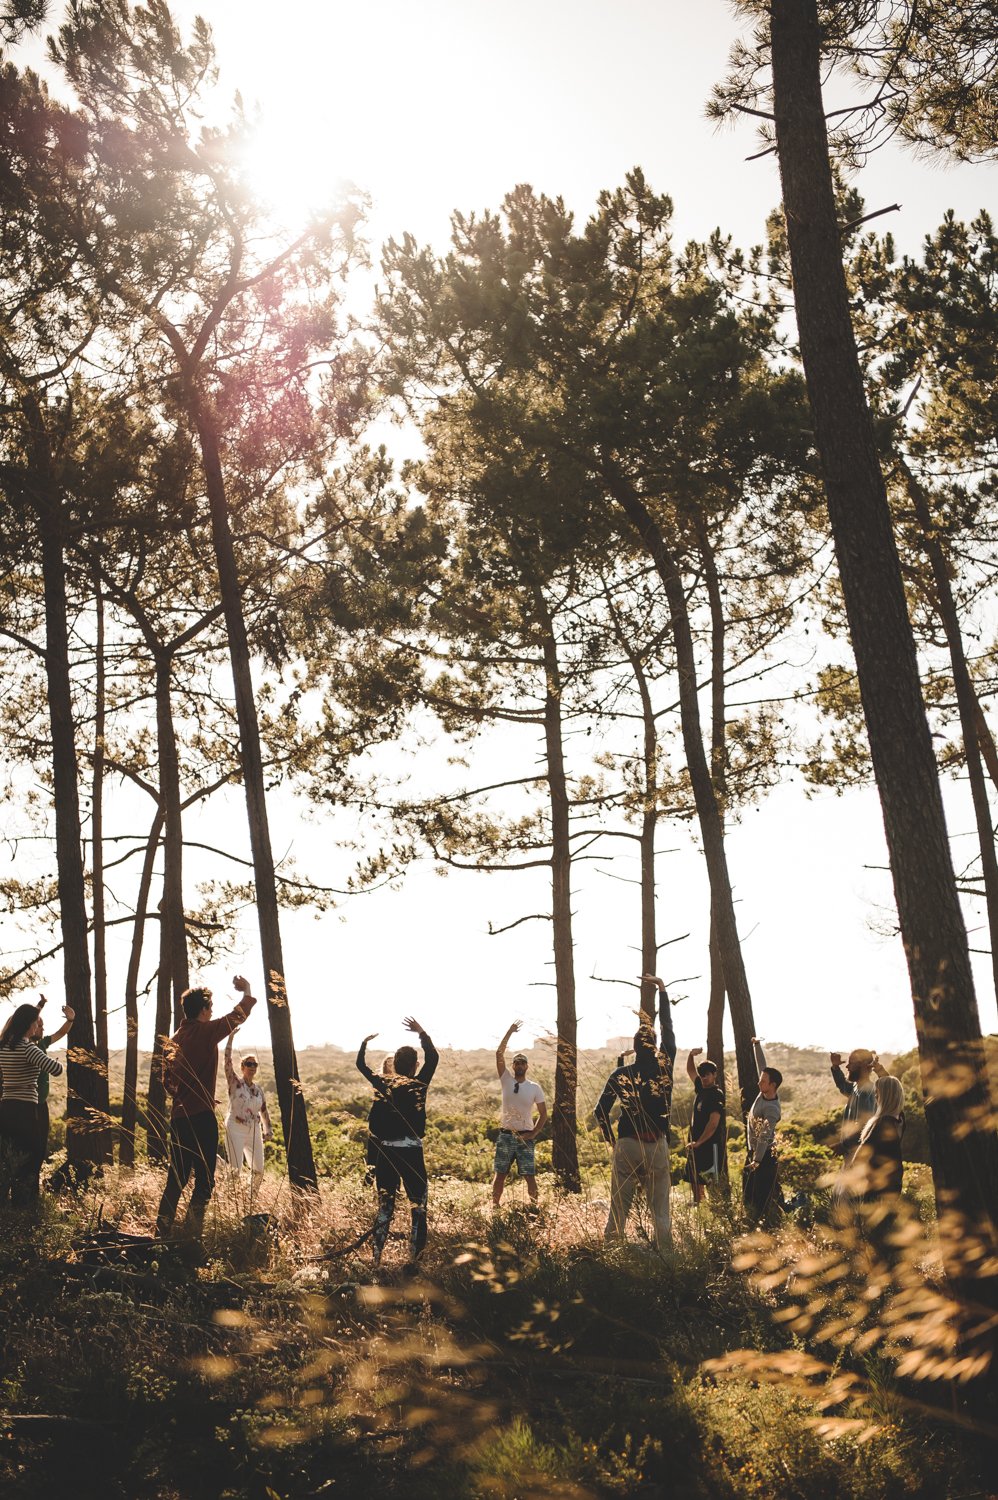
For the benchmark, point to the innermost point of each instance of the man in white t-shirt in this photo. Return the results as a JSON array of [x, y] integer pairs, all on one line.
[[517, 1127]]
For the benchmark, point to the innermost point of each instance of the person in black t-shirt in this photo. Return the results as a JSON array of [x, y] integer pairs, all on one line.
[[397, 1124], [706, 1159]]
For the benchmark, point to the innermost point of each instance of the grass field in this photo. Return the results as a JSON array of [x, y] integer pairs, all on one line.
[[525, 1358]]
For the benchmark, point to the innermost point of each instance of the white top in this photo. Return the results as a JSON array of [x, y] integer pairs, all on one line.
[[518, 1108], [246, 1100]]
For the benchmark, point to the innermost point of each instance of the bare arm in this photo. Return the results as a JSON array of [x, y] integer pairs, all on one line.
[[66, 1026], [690, 1064], [542, 1119], [878, 1067], [760, 1056], [501, 1049], [713, 1120]]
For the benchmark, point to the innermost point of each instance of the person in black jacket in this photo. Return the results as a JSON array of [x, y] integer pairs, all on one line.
[[397, 1124], [643, 1090]]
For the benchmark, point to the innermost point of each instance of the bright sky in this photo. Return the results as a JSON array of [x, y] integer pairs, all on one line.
[[445, 104]]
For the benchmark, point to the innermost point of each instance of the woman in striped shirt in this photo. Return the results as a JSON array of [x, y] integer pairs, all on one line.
[[20, 1138]]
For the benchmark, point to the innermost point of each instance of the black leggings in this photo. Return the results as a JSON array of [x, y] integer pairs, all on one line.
[[395, 1167], [760, 1189], [21, 1148]]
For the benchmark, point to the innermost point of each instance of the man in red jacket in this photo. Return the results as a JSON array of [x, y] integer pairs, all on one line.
[[190, 1060]]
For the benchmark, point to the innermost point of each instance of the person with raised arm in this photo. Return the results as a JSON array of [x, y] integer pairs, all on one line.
[[44, 1043], [247, 1124], [706, 1158], [858, 1084], [21, 1064], [397, 1126], [190, 1066], [518, 1129], [760, 1182], [643, 1091]]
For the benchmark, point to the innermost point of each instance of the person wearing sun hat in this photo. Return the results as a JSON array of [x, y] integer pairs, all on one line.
[[518, 1129]]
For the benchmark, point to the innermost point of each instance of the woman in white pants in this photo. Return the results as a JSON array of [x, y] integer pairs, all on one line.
[[247, 1124]]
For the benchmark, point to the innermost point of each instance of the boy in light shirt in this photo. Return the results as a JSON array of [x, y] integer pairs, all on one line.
[[518, 1128]]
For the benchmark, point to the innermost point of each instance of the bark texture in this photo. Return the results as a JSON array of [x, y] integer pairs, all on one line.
[[564, 1146], [963, 1142], [294, 1117], [705, 799]]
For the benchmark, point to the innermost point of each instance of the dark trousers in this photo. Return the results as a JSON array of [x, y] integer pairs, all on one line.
[[193, 1149], [760, 1188], [20, 1143], [395, 1167]]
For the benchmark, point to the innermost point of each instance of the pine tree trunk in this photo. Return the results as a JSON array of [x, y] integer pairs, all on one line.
[[718, 771], [708, 812], [97, 835], [649, 833], [130, 1092], [157, 1114], [88, 1138], [564, 1144], [967, 704], [173, 963], [963, 1142], [294, 1117], [649, 810], [986, 741]]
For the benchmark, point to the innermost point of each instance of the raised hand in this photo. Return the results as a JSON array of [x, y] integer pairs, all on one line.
[[836, 1059], [696, 1051], [369, 1039], [241, 984], [652, 979], [69, 1013], [411, 1024]]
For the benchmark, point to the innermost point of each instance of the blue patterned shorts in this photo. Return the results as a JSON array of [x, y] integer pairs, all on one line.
[[510, 1149]]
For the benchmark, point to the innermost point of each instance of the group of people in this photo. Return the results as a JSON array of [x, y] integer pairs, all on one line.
[[25, 1071], [190, 1066], [640, 1091]]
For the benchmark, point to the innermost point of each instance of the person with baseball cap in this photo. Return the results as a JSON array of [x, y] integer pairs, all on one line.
[[518, 1129]]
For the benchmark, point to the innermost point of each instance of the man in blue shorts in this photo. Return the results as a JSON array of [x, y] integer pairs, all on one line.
[[517, 1127]]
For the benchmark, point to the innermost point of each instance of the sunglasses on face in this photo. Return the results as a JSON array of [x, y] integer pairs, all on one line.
[[516, 1086]]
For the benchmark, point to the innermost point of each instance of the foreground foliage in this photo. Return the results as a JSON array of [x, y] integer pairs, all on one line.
[[525, 1358]]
